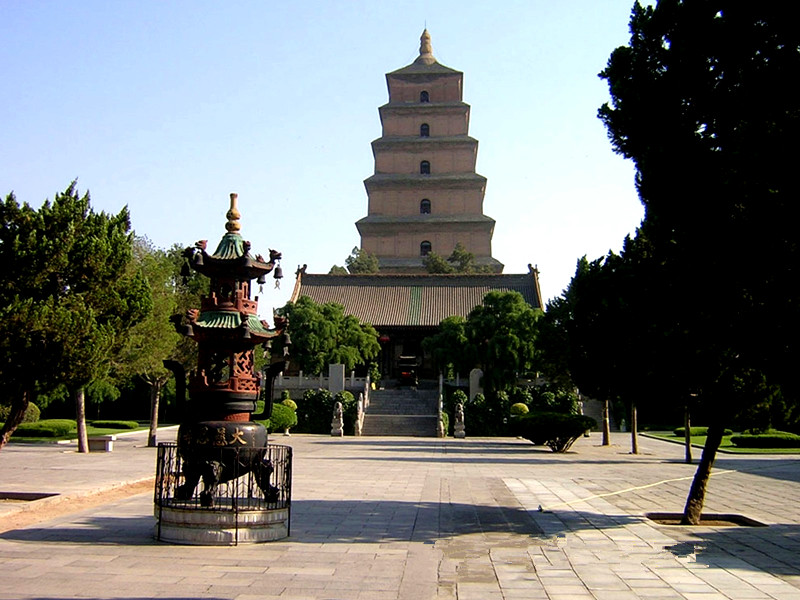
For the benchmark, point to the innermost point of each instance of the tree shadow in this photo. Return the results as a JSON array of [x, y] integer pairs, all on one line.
[[773, 549]]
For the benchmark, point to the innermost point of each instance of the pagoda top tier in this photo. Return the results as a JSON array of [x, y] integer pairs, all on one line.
[[232, 258], [425, 63]]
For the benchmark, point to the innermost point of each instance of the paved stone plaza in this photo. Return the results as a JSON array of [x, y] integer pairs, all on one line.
[[415, 518]]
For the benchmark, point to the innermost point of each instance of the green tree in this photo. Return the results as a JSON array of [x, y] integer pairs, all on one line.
[[702, 102], [436, 264], [66, 298], [360, 261], [502, 335], [337, 270], [459, 261], [322, 334], [448, 347], [498, 336], [153, 339], [188, 287]]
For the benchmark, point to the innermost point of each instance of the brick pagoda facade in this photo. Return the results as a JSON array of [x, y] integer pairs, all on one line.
[[425, 195]]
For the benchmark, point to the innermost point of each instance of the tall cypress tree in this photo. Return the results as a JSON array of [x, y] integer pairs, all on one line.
[[703, 103]]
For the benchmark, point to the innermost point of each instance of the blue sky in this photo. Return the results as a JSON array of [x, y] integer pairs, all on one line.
[[167, 107]]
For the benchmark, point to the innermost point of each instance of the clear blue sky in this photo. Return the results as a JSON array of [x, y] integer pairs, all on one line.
[[166, 107]]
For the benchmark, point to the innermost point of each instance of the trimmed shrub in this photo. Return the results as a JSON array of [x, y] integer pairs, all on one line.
[[46, 428], [290, 403], [115, 424], [558, 431], [482, 417], [519, 409], [282, 418], [32, 413], [316, 412], [697, 431], [770, 439], [286, 395]]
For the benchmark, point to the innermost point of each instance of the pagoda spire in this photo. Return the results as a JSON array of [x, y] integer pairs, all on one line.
[[233, 215], [425, 49]]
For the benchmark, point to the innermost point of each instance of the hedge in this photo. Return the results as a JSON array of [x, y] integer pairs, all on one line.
[[115, 424], [558, 431], [697, 431], [770, 439], [46, 428]]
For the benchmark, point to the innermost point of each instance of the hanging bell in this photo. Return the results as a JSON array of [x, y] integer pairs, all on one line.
[[198, 259], [262, 279], [278, 274]]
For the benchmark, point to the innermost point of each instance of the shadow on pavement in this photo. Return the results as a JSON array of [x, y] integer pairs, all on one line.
[[773, 550]]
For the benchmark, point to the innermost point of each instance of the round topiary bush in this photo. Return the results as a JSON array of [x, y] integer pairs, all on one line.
[[32, 413], [290, 403], [282, 418], [558, 431], [518, 409]]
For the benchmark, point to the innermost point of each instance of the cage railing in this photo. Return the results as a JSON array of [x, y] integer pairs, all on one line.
[[226, 479]]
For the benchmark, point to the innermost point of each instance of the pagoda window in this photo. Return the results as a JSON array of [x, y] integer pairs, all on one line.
[[425, 248], [424, 130], [425, 168], [425, 207], [424, 96]]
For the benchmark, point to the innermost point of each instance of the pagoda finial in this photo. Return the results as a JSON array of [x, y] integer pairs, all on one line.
[[233, 215], [425, 49]]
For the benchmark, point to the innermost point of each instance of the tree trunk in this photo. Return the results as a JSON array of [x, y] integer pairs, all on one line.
[[697, 493], [687, 435], [80, 417], [18, 407], [155, 400], [634, 430], [606, 425]]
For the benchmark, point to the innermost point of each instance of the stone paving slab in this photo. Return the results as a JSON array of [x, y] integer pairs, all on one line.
[[418, 518]]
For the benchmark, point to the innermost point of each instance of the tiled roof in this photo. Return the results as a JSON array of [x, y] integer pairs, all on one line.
[[412, 300]]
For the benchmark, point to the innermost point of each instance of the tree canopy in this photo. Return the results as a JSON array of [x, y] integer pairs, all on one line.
[[322, 334], [702, 102], [359, 262], [459, 261], [66, 295], [153, 339], [497, 336]]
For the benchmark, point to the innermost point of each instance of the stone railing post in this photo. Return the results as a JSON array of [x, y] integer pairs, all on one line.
[[360, 415], [337, 423]]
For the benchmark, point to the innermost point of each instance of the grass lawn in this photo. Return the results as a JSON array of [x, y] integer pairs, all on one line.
[[73, 435], [698, 441]]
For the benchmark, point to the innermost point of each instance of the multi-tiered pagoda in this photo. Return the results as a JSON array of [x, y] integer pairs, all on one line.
[[425, 195]]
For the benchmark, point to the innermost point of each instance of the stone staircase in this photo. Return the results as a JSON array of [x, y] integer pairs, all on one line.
[[404, 411]]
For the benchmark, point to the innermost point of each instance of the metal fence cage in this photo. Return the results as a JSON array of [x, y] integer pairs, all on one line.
[[240, 493]]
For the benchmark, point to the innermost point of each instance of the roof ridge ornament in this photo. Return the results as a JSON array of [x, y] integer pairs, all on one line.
[[425, 49], [233, 215]]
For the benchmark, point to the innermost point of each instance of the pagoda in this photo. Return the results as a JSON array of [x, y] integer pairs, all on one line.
[[425, 195]]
